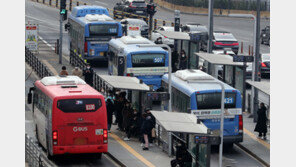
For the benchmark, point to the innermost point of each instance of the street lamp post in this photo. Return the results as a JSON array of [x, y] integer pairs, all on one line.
[[254, 93], [221, 118]]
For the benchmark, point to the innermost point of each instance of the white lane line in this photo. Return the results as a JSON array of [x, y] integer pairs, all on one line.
[[47, 43]]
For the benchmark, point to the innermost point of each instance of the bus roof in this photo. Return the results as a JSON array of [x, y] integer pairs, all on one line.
[[81, 11], [130, 44], [191, 86], [95, 19], [69, 87]]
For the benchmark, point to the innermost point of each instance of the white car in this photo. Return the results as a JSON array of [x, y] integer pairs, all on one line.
[[165, 40]]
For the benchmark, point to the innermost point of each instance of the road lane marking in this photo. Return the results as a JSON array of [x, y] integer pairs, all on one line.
[[41, 21], [67, 58], [131, 150], [265, 144], [51, 68]]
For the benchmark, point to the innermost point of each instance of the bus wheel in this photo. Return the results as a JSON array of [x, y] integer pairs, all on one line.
[[37, 138]]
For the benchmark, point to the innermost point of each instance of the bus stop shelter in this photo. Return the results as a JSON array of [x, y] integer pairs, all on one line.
[[263, 87], [189, 42], [170, 124], [133, 85], [233, 73]]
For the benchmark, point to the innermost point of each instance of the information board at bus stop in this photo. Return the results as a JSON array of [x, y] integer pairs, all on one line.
[[31, 36]]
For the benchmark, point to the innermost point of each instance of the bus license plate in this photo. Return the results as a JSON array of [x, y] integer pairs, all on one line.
[[101, 53], [139, 11], [80, 141]]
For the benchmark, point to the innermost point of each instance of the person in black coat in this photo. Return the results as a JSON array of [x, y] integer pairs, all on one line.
[[88, 73], [146, 128], [261, 126], [110, 110]]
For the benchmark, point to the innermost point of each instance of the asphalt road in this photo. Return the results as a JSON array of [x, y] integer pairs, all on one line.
[[47, 18]]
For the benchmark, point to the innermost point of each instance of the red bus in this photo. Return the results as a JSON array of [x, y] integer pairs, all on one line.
[[70, 116]]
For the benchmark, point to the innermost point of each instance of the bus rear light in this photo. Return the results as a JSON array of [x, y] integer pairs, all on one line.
[[105, 136], [55, 137], [128, 75], [85, 48], [131, 5], [240, 123], [263, 65]]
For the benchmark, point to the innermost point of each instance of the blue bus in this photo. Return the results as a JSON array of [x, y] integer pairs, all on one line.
[[127, 58], [90, 30], [190, 95]]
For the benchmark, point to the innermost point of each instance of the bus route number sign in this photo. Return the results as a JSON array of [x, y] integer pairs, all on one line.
[[90, 107]]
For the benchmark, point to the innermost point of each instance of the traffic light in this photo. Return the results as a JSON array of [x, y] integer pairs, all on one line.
[[151, 9], [62, 6], [63, 10]]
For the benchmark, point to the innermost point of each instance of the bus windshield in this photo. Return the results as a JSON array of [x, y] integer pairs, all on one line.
[[103, 30], [79, 105], [148, 60], [213, 100]]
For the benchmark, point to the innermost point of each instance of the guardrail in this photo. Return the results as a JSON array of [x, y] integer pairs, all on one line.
[[36, 64], [34, 155]]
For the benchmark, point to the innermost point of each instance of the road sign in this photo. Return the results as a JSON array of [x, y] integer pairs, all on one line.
[[32, 36], [241, 58]]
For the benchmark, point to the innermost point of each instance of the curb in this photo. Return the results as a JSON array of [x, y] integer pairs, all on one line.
[[115, 159], [203, 14], [253, 155]]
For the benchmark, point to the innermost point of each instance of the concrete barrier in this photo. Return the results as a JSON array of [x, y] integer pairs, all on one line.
[[204, 11]]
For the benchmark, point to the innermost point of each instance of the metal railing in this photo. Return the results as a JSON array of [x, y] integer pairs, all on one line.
[[36, 64], [34, 155]]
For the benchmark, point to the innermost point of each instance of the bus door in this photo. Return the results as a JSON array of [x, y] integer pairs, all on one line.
[[80, 122]]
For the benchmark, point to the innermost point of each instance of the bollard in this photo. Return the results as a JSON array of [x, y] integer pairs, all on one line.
[[43, 1], [57, 2], [58, 47], [77, 4], [70, 5], [252, 51], [49, 2], [155, 24], [242, 47], [163, 23]]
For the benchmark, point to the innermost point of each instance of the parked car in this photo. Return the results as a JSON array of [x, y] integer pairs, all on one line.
[[136, 7], [165, 40], [136, 22], [222, 40], [265, 65], [265, 35]]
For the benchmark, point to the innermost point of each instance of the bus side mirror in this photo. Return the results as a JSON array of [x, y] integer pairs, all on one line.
[[29, 98]]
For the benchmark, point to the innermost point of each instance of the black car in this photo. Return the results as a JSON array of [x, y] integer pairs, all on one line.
[[136, 22], [265, 35], [222, 40], [131, 7]]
